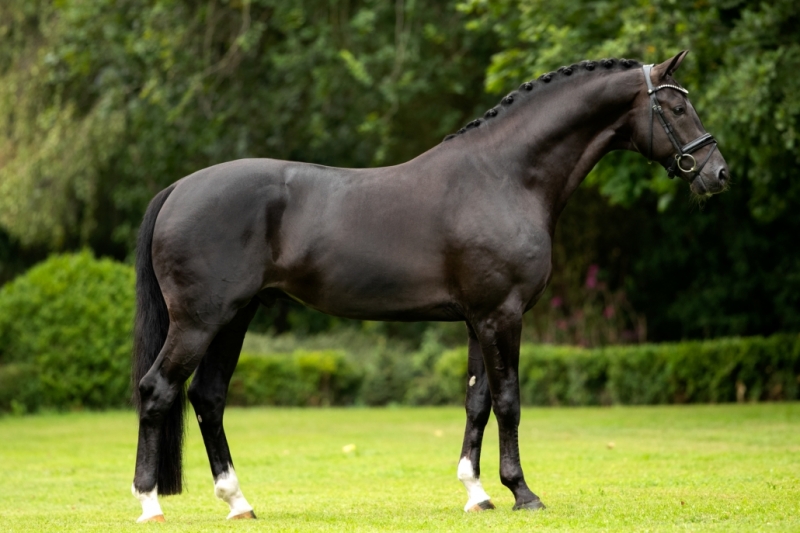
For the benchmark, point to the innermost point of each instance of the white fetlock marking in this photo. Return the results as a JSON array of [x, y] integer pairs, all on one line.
[[226, 487], [475, 491], [149, 501]]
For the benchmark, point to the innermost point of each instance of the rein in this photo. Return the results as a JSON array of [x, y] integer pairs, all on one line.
[[673, 164]]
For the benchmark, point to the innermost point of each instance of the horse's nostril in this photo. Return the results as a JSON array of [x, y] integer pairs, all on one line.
[[723, 174]]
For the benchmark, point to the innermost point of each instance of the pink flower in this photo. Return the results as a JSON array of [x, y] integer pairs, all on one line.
[[608, 312], [591, 276], [556, 302]]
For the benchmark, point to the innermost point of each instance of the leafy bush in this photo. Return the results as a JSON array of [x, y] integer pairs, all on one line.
[[562, 375], [65, 335], [300, 379], [722, 370], [19, 388], [388, 373], [441, 374], [65, 343]]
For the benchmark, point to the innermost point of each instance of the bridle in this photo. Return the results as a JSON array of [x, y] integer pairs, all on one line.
[[683, 153]]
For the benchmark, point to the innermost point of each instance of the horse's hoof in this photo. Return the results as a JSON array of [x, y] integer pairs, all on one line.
[[155, 518], [485, 505], [248, 515], [534, 505]]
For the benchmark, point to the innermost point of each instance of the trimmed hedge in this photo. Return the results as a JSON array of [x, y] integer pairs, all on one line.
[[298, 379], [65, 343], [723, 370]]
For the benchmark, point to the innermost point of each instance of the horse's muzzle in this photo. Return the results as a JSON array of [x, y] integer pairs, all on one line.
[[708, 183]]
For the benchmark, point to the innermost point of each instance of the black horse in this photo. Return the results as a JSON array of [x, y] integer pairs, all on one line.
[[461, 233]]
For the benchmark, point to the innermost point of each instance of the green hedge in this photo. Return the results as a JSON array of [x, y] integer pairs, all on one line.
[[723, 370], [65, 335], [299, 379], [65, 343]]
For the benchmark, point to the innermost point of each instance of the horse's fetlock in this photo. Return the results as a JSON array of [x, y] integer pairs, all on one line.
[[511, 480], [225, 489], [226, 486], [143, 484]]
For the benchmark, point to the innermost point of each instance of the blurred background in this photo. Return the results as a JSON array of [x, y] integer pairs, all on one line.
[[104, 103]]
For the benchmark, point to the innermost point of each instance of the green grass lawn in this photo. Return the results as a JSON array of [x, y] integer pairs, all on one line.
[[694, 468]]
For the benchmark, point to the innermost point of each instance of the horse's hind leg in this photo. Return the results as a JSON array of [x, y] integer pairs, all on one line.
[[207, 393], [479, 406], [158, 390]]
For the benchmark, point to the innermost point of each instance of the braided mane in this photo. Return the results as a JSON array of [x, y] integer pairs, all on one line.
[[526, 88]]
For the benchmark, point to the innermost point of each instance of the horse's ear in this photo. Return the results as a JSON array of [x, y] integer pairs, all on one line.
[[668, 67]]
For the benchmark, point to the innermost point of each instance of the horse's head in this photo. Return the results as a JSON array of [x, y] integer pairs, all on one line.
[[667, 129]]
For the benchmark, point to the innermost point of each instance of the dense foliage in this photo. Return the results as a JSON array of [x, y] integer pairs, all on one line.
[[65, 335], [104, 103]]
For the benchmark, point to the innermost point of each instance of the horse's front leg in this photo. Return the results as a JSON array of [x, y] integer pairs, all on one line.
[[478, 405], [499, 338]]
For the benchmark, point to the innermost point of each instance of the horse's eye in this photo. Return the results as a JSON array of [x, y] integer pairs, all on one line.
[[679, 110]]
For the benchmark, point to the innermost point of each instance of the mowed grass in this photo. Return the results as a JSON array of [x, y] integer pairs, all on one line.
[[693, 468]]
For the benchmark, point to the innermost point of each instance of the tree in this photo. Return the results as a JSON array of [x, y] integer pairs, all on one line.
[[104, 103]]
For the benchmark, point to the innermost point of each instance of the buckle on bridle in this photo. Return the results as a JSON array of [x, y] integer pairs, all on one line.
[[679, 158]]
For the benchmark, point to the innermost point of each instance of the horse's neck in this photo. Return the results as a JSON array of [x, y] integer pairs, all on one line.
[[554, 139]]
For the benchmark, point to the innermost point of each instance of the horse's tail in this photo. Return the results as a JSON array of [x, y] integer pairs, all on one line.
[[149, 334]]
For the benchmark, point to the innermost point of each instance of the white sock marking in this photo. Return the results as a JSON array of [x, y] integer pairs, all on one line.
[[226, 487], [475, 491], [149, 501]]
